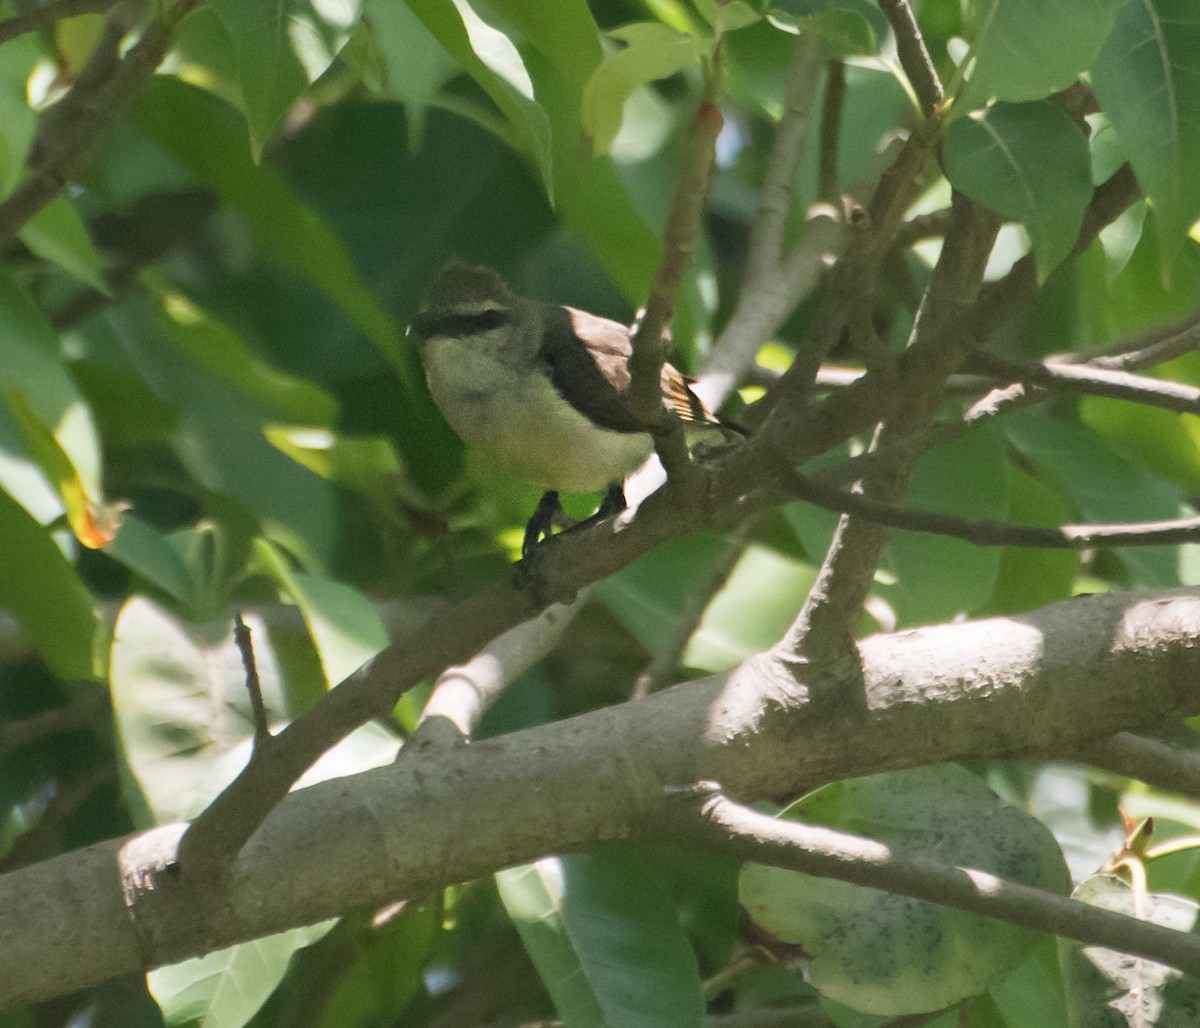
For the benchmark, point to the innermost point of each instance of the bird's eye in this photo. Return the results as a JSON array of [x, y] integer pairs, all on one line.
[[491, 318]]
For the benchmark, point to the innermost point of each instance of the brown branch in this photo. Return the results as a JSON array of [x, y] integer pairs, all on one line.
[[245, 644], [826, 853], [80, 712], [996, 533], [1157, 763], [914, 57], [831, 130], [89, 108], [41, 16], [1151, 348], [1090, 379], [680, 238]]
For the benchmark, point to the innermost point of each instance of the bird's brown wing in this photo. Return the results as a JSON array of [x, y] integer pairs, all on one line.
[[594, 377]]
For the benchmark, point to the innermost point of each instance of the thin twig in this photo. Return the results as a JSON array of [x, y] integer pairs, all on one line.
[[62, 152], [831, 129], [41, 16], [1152, 348], [1152, 761], [1090, 379], [245, 645], [995, 533], [914, 57], [826, 853]]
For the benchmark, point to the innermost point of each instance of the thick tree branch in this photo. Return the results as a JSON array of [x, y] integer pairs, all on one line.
[[47, 14], [1053, 678]]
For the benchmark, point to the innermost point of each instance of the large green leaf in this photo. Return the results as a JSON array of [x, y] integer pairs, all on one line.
[[490, 58], [204, 133], [605, 940], [1146, 80], [891, 955], [1029, 162], [17, 119], [563, 30], [226, 988], [344, 626], [36, 370], [1027, 49], [38, 586], [651, 51], [1104, 487], [415, 65], [281, 46], [937, 577], [1107, 989], [57, 233]]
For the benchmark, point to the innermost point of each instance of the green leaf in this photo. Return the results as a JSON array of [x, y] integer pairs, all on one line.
[[203, 132], [57, 234], [1028, 162], [271, 77], [1108, 988], [605, 939], [846, 27], [1027, 49], [1104, 487], [890, 955], [34, 367], [183, 712], [148, 552], [226, 988], [490, 58], [652, 51], [1145, 78], [564, 31], [648, 596], [344, 626], [40, 589], [937, 577], [752, 611], [18, 120], [224, 398]]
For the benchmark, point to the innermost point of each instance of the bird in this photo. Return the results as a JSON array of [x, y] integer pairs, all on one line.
[[540, 388]]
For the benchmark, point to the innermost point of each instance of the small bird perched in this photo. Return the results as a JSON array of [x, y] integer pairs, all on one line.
[[539, 387]]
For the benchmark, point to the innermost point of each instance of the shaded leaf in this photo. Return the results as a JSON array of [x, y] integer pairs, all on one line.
[[605, 939], [1146, 81], [1028, 162], [1027, 49], [891, 955], [57, 234]]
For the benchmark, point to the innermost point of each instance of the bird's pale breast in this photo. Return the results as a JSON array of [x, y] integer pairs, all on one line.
[[524, 423]]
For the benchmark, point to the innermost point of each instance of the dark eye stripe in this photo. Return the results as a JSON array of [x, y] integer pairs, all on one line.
[[429, 325]]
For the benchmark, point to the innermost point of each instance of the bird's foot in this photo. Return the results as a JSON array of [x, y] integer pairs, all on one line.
[[549, 512]]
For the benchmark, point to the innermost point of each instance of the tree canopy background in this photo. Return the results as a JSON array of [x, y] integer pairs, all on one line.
[[218, 219]]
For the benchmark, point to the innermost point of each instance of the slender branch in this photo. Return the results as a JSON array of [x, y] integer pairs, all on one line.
[[1152, 348], [39, 17], [80, 712], [831, 130], [914, 57], [462, 694], [826, 853], [1160, 764], [996, 533], [245, 644], [89, 107], [924, 226], [680, 239], [1090, 379]]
